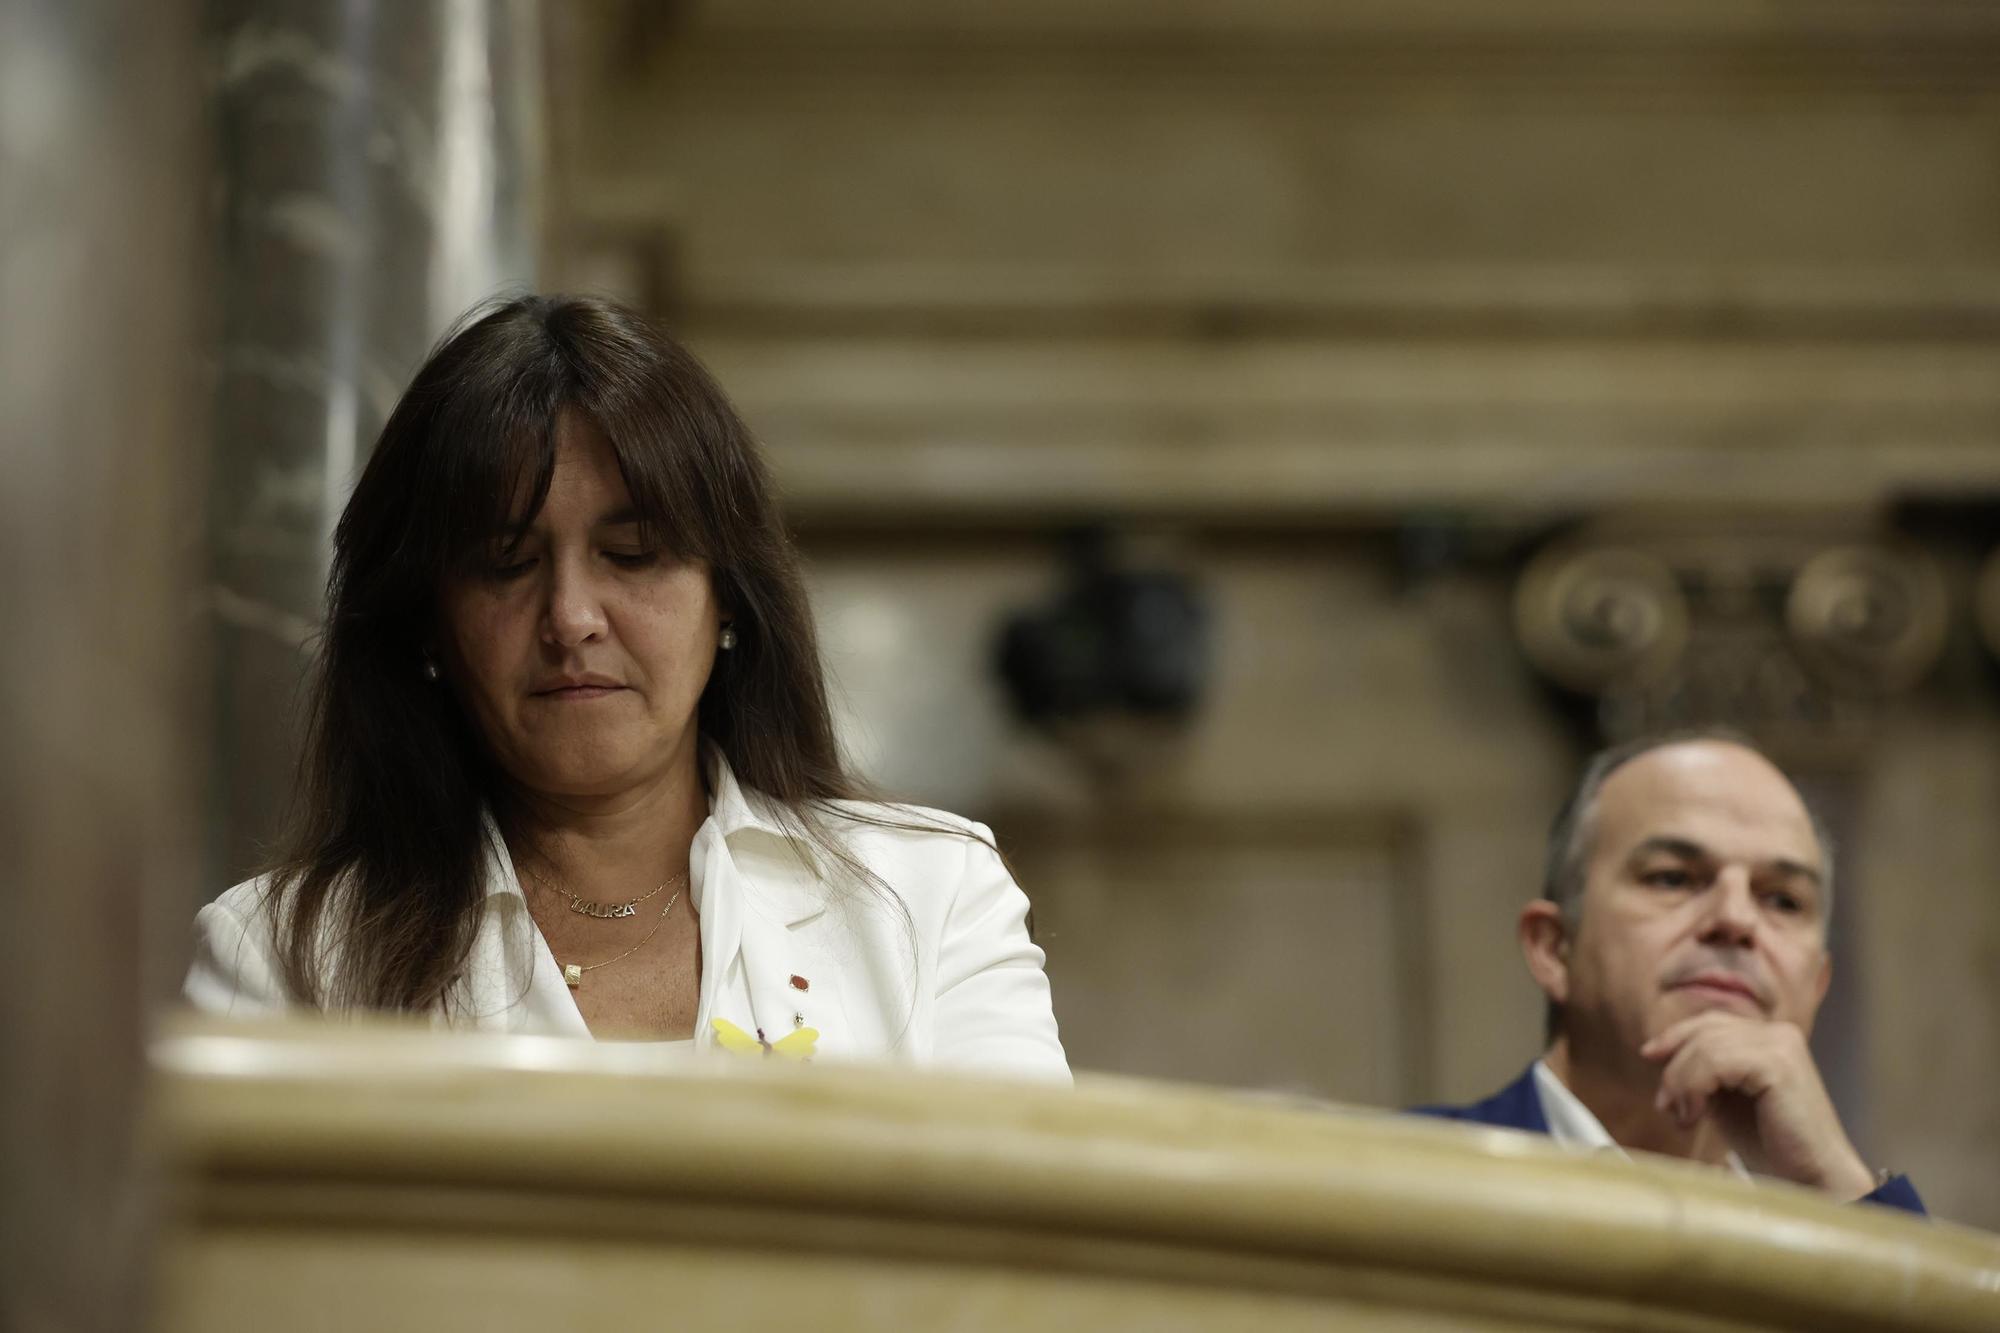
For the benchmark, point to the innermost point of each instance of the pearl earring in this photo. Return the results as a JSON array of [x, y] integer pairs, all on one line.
[[430, 668], [727, 639]]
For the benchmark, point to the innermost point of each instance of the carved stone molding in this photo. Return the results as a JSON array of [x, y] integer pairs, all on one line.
[[1869, 618], [1784, 637], [1602, 616]]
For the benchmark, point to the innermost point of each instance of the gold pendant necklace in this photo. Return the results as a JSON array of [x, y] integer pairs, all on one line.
[[573, 972]]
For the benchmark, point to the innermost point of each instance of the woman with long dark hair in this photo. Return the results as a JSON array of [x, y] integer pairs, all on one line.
[[569, 765]]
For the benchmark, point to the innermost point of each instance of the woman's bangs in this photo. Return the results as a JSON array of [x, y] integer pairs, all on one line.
[[506, 464], [661, 499]]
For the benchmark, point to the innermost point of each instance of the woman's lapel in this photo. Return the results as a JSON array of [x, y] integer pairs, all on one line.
[[775, 981]]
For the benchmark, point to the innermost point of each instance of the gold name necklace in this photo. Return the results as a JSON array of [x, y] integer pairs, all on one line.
[[583, 906]]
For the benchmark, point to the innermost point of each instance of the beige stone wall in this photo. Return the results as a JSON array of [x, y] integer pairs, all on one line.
[[1277, 259], [1312, 885], [1264, 284], [1929, 951]]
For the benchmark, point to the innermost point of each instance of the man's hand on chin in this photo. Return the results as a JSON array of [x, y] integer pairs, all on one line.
[[1758, 1079]]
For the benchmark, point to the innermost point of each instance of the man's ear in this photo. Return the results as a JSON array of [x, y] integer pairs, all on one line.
[[1545, 945]]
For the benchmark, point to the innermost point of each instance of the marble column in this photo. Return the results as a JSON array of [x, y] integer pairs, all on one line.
[[101, 481], [378, 166]]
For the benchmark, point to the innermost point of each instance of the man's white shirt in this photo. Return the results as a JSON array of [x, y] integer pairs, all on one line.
[[1572, 1125]]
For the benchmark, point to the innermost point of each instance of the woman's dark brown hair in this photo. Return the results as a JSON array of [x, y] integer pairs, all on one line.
[[380, 881]]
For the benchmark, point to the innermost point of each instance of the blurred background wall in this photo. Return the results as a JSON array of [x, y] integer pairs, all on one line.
[[1470, 383]]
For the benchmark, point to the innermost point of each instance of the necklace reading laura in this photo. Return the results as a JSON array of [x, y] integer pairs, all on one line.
[[573, 972], [602, 911]]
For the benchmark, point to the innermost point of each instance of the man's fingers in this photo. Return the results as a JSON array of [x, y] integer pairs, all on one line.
[[1757, 1083], [1685, 1082], [1709, 1060]]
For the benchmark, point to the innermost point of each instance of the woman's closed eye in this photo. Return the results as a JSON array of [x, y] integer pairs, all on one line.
[[504, 569]]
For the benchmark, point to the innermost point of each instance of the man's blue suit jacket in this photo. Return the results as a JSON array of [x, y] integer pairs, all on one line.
[[1519, 1106]]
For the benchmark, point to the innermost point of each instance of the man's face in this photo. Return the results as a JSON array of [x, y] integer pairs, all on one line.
[[1703, 890]]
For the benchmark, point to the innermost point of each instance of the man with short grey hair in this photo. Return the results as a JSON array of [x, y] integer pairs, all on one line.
[[1681, 942]]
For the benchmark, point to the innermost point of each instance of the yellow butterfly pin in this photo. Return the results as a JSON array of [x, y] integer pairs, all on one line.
[[795, 1045]]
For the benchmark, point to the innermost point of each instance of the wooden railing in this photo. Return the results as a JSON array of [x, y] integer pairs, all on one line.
[[390, 1180]]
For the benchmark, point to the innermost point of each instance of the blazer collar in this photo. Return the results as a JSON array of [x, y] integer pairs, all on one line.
[[781, 864]]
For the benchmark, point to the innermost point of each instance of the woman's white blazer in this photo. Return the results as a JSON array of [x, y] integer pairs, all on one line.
[[957, 983]]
